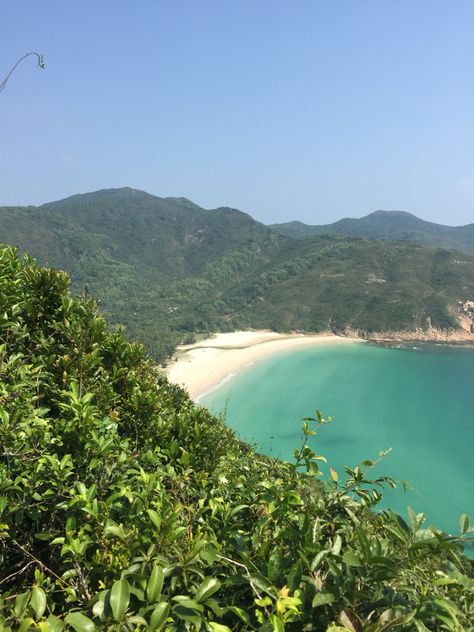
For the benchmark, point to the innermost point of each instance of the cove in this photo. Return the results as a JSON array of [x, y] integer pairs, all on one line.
[[417, 400]]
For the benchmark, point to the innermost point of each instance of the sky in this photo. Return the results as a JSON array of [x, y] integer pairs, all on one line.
[[286, 109]]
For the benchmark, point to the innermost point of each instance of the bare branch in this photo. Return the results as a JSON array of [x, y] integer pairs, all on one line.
[[227, 559], [40, 65], [22, 570]]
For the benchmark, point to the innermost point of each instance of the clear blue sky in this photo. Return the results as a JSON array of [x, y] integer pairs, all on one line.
[[296, 109]]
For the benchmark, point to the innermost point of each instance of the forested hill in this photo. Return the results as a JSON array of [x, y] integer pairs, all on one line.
[[392, 225], [169, 238], [166, 268]]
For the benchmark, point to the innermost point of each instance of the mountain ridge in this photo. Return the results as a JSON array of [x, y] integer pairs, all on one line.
[[390, 225], [165, 269]]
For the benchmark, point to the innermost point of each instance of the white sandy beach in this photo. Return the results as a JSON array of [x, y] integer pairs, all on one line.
[[200, 367]]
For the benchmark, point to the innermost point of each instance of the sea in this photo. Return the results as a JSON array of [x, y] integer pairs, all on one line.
[[415, 401]]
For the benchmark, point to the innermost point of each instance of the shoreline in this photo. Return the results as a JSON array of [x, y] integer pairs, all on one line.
[[435, 336], [203, 366]]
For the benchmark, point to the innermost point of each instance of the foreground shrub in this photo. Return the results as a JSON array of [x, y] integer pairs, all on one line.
[[123, 506]]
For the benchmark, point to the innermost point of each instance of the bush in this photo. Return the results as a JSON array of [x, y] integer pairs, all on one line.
[[124, 506]]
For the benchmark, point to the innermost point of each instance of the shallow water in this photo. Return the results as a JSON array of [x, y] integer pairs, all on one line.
[[417, 401]]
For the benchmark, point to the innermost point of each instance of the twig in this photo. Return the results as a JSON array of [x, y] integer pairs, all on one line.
[[22, 570], [83, 582], [48, 570], [252, 585]]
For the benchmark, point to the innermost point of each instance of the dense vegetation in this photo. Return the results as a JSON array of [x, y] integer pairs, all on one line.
[[389, 225], [123, 506], [165, 269]]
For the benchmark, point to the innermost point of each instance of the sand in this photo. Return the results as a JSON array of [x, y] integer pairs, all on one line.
[[200, 367]]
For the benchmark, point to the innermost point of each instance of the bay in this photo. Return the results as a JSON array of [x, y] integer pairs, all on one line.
[[417, 401]]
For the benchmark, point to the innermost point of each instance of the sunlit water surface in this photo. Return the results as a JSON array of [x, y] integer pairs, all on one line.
[[418, 401]]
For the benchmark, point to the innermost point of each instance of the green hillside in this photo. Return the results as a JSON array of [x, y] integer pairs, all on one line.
[[166, 238], [128, 248], [166, 269], [394, 225], [124, 506], [367, 286]]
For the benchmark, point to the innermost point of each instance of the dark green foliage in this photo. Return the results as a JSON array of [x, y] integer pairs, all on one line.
[[123, 506], [166, 268], [389, 225]]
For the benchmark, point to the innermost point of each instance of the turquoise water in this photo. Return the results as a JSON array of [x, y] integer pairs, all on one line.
[[417, 401]]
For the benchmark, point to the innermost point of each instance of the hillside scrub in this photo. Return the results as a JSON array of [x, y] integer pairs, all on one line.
[[124, 506], [164, 268]]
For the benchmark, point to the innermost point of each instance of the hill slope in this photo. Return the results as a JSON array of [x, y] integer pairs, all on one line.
[[166, 268], [126, 247], [124, 506], [167, 237], [393, 225]]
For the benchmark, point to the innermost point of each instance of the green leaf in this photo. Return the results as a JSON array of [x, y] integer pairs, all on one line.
[[189, 610], [464, 522], [420, 626], [277, 623], [295, 576], [155, 584], [208, 587], [54, 624], [159, 616], [216, 608], [447, 606], [137, 620], [70, 524], [462, 579], [208, 554], [265, 601], [274, 564], [323, 598], [98, 609], [116, 530], [397, 532], [386, 562], [79, 622], [38, 601], [318, 559], [337, 545], [218, 627], [154, 517], [415, 520], [119, 598], [351, 559], [261, 583], [237, 509], [21, 602], [243, 616], [26, 624]]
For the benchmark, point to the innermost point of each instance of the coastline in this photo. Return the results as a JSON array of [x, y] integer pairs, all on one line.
[[454, 338], [203, 366]]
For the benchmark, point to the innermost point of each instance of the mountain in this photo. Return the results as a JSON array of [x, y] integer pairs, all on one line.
[[172, 237], [393, 225], [165, 268], [126, 247]]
